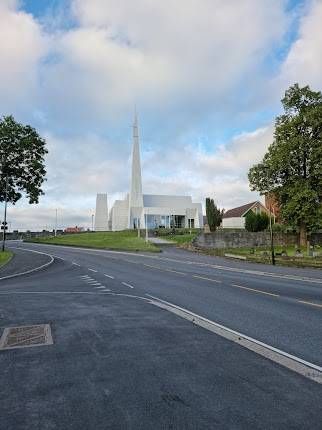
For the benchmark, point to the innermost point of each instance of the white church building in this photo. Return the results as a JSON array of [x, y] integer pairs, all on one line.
[[141, 210]]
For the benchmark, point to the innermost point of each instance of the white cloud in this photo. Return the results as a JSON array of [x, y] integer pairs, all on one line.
[[22, 45], [304, 61]]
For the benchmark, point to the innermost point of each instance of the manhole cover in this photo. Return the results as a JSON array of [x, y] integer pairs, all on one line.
[[26, 336]]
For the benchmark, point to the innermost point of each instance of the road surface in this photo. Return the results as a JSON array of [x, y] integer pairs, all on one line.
[[119, 361]]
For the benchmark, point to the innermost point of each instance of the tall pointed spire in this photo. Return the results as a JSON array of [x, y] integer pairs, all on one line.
[[136, 197]]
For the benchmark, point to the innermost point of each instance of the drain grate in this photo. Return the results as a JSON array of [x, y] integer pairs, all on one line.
[[26, 336]]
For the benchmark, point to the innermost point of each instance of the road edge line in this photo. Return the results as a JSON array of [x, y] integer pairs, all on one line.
[[36, 269], [296, 364]]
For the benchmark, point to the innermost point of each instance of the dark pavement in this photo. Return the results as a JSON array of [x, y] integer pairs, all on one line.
[[118, 362]]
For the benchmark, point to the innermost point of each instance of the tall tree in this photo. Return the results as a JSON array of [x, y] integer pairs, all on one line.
[[292, 167], [214, 214], [22, 164]]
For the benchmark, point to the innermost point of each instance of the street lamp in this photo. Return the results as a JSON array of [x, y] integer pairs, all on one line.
[[92, 222], [56, 223], [270, 218], [4, 224]]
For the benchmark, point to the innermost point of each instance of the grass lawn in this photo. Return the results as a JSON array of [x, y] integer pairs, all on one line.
[[181, 239], [5, 257], [118, 240], [258, 255]]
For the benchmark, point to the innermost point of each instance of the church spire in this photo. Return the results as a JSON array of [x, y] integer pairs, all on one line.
[[136, 198]]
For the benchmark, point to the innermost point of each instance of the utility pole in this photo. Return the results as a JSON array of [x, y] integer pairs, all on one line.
[[146, 227], [271, 231], [56, 223], [5, 215]]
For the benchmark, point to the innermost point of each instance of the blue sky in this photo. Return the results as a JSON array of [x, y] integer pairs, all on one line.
[[207, 78]]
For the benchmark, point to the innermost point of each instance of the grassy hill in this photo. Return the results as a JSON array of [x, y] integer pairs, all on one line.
[[118, 240]]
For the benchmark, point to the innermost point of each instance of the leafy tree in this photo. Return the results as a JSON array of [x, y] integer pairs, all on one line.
[[214, 214], [292, 167], [22, 153], [256, 222], [262, 221], [250, 221]]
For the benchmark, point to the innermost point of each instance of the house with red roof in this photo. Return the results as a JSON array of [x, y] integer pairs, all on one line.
[[235, 218]]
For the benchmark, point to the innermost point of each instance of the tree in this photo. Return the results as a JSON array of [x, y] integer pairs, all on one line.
[[22, 153], [256, 222], [292, 167], [250, 221], [214, 214]]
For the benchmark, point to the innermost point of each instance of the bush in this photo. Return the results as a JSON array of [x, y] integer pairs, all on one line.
[[256, 222]]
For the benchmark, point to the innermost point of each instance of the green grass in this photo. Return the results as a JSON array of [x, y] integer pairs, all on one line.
[[258, 257], [118, 240], [5, 257], [181, 239]]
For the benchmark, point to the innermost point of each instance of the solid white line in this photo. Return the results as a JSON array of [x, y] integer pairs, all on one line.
[[236, 333], [31, 270], [127, 285], [92, 270], [109, 276]]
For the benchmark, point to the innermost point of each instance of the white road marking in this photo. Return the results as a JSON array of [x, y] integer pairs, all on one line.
[[284, 358], [101, 287], [310, 303], [84, 276], [95, 283], [31, 270], [207, 279], [127, 285], [219, 267], [76, 264], [254, 290], [92, 270], [109, 276]]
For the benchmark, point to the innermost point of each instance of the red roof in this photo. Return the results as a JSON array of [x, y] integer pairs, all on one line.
[[240, 211]]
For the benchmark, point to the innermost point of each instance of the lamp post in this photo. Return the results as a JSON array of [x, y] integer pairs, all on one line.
[[271, 230], [4, 225], [92, 222], [146, 227], [55, 222]]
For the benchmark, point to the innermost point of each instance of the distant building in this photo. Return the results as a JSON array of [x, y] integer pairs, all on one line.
[[235, 218], [74, 229], [101, 213], [138, 209]]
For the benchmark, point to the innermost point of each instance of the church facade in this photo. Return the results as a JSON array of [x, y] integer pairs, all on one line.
[[140, 210]]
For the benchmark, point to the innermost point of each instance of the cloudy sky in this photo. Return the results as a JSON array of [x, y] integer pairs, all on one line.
[[207, 77]]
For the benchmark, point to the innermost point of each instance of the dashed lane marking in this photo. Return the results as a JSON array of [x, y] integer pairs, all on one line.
[[95, 283], [76, 264], [207, 279], [100, 288], [310, 303], [109, 276], [163, 269], [93, 270], [254, 290], [127, 285]]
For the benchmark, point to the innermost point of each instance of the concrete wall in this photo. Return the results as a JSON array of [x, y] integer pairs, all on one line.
[[242, 238]]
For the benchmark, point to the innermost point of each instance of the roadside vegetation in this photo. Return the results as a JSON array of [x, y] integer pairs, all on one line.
[[285, 256], [180, 236], [119, 240], [5, 257]]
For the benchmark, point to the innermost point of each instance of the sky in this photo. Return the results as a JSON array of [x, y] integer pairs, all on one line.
[[207, 77]]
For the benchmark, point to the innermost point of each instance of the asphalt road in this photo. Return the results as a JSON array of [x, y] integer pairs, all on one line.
[[118, 362]]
